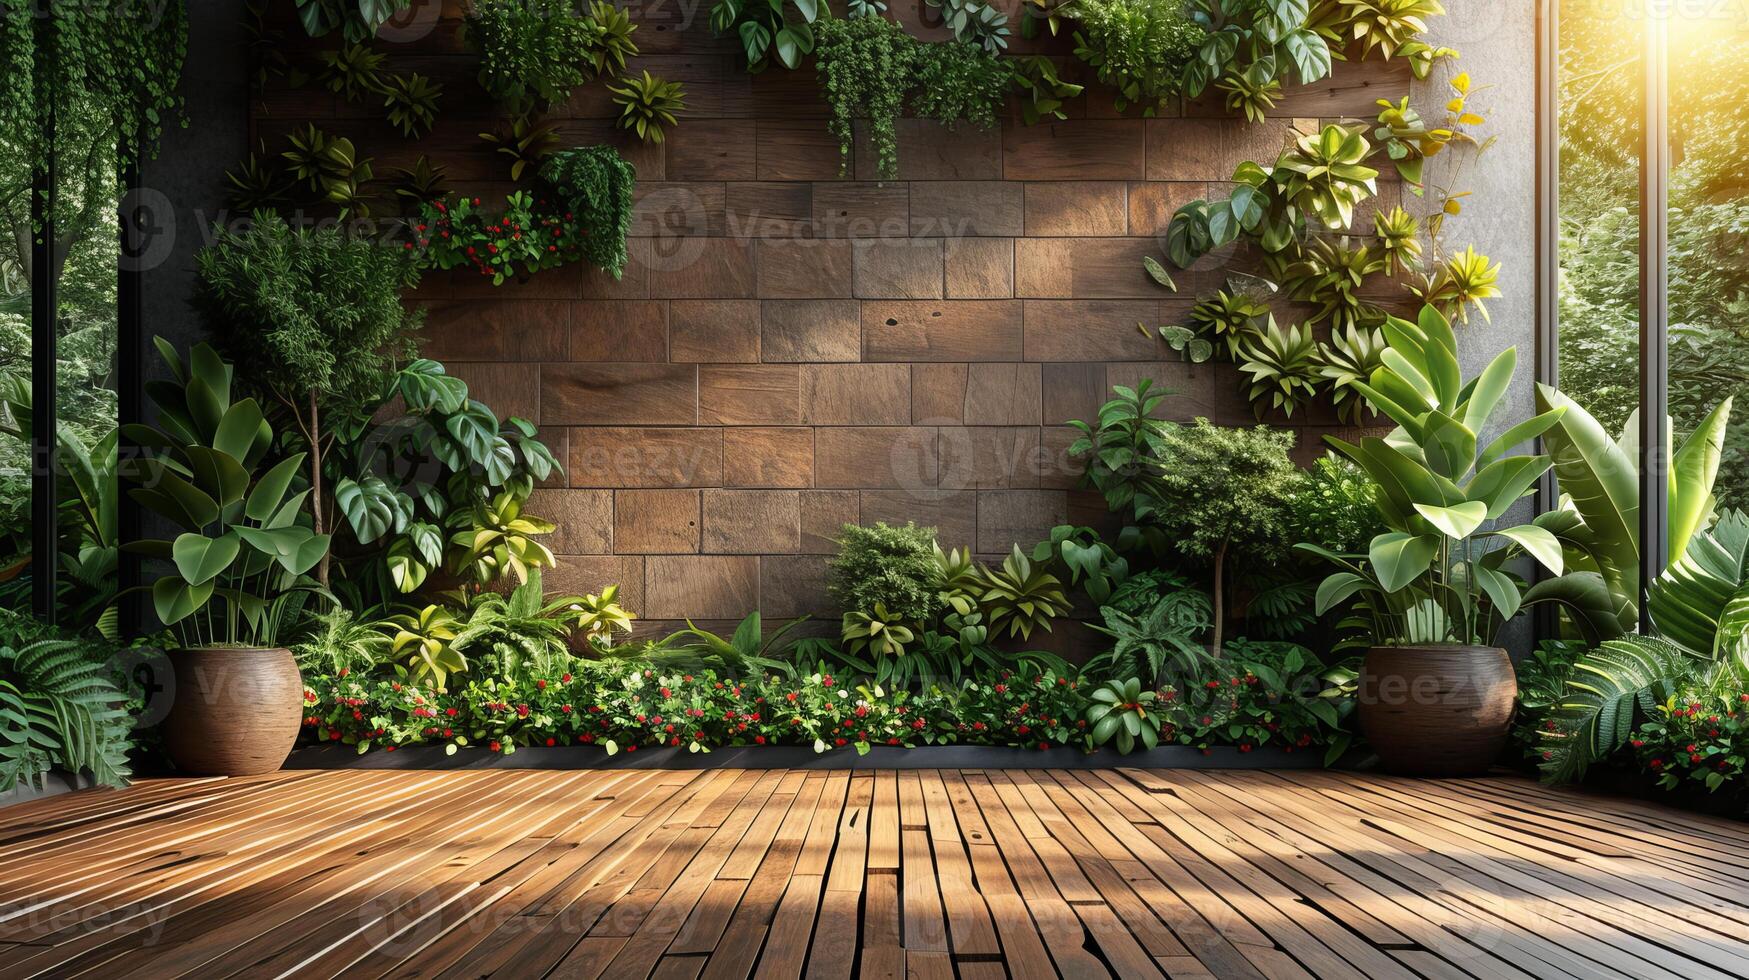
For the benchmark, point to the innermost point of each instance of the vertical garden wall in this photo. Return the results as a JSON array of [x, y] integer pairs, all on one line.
[[790, 349]]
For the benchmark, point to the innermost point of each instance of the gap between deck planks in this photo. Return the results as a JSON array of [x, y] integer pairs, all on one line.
[[835, 875]]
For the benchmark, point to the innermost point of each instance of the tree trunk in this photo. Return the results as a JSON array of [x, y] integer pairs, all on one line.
[[317, 514], [1220, 598]]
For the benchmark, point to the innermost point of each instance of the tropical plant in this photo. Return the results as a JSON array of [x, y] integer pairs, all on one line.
[[522, 239], [1042, 91], [58, 709], [257, 184], [784, 28], [1247, 49], [1021, 596], [425, 640], [331, 169], [245, 544], [974, 23], [610, 38], [892, 567], [1330, 274], [1326, 176], [877, 631], [412, 103], [1161, 645], [1227, 318], [647, 104], [313, 319], [493, 540], [1138, 47], [748, 652], [1438, 575], [1399, 239], [1089, 561], [526, 143], [1462, 281], [357, 20], [352, 71], [1123, 714], [1390, 27], [1350, 358], [421, 184], [1283, 366], [1597, 521], [1120, 446], [866, 66]]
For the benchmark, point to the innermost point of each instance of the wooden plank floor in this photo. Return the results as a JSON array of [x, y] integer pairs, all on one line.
[[839, 875]]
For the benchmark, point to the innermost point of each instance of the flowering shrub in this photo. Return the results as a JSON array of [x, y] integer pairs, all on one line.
[[529, 235], [1701, 740]]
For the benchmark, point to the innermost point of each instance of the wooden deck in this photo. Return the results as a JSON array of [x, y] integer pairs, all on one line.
[[979, 874]]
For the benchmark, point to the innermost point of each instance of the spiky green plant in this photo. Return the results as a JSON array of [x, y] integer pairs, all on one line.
[[647, 104], [1021, 596], [1350, 358], [1283, 366]]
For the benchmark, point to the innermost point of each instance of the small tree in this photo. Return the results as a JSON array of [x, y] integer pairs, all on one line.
[[313, 318], [1221, 490]]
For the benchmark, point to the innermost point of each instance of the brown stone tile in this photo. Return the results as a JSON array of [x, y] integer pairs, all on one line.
[[583, 520], [1153, 202], [856, 394], [770, 209], [952, 513], [846, 209], [874, 457], [497, 330], [710, 149], [1004, 394], [607, 394], [664, 209], [961, 208], [591, 574], [981, 457], [794, 586], [824, 514], [804, 330], [1074, 149], [1084, 330], [508, 388], [713, 331], [1077, 208], [696, 268], [647, 522], [938, 394], [898, 268], [793, 149], [979, 268], [1023, 517], [749, 394], [930, 151], [752, 522], [1058, 469], [619, 330], [700, 586], [1073, 391], [768, 457], [1192, 149], [807, 268], [951, 330], [617, 456], [1086, 268], [1212, 390]]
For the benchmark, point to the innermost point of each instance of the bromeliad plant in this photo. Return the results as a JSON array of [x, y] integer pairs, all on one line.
[[236, 572], [1124, 714], [1439, 574]]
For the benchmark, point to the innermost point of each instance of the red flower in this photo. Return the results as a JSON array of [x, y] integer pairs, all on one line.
[[495, 747], [552, 741]]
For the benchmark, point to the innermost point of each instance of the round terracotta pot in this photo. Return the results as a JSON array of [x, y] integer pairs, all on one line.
[[236, 712], [1437, 710]]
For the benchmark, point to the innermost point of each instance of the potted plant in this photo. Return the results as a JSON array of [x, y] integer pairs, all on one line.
[[234, 575], [1436, 693]]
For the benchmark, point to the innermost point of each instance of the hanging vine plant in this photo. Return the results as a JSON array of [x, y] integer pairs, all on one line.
[[865, 69]]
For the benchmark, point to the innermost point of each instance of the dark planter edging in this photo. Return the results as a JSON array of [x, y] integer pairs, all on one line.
[[803, 757]]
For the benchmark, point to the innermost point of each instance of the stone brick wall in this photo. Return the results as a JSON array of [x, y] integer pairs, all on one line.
[[790, 350]]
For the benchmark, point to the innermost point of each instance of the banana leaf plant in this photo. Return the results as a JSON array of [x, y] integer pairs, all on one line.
[[1598, 521], [1441, 573], [236, 572]]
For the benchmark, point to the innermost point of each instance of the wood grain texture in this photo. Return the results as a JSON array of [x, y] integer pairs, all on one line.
[[781, 874]]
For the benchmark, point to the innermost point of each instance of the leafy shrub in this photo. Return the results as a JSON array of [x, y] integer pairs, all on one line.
[[888, 566], [59, 709], [1332, 506], [865, 68], [533, 52], [958, 82], [1138, 47]]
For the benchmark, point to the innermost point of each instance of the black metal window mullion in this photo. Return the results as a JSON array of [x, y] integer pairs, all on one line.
[[130, 373], [44, 314], [1654, 306]]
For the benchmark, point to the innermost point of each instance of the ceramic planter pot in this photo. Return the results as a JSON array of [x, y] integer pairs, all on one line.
[[236, 712], [1437, 710]]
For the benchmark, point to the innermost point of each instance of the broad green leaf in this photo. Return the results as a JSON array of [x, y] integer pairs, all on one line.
[[1399, 557], [1458, 520]]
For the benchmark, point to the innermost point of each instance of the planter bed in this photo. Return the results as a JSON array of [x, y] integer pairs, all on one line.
[[803, 757]]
